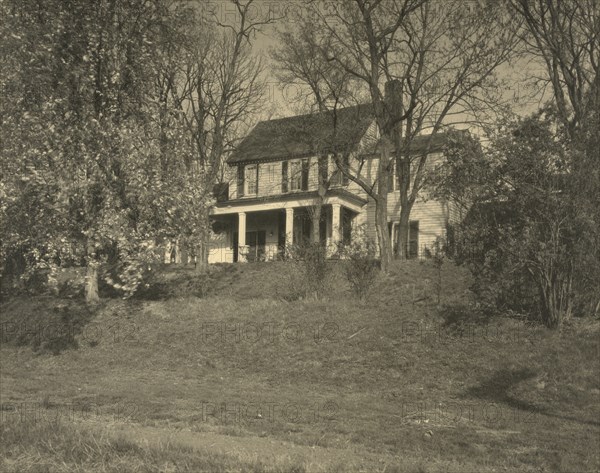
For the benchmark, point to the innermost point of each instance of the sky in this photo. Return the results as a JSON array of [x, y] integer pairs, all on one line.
[[282, 100]]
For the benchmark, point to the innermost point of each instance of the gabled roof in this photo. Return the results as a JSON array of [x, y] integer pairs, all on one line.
[[305, 135]]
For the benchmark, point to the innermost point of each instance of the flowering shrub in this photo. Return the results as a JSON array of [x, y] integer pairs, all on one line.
[[360, 265]]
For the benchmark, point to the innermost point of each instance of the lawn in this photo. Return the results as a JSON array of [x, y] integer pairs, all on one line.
[[225, 373]]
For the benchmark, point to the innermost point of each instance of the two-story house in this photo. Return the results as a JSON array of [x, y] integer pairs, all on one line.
[[278, 167]]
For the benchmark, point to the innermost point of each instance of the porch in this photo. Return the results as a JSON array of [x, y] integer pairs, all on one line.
[[247, 230]]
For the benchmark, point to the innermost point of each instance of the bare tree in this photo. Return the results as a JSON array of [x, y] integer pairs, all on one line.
[[216, 85], [565, 36], [437, 61]]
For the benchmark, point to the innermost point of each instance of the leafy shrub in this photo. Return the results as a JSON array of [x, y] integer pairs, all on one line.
[[361, 267], [311, 270]]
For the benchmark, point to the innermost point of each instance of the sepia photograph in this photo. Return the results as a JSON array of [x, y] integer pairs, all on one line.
[[300, 236]]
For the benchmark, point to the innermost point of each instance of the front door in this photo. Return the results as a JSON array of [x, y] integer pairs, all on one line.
[[256, 242]]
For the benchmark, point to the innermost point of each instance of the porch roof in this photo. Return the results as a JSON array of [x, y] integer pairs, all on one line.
[[290, 200]]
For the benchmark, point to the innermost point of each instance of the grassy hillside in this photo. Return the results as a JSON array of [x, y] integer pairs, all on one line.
[[238, 378]]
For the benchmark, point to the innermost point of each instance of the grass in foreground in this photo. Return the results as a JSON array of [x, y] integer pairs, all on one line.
[[243, 378]]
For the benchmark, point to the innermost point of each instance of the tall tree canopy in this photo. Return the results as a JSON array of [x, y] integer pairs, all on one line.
[[438, 60]]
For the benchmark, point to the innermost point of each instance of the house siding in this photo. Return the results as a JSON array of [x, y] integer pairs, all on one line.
[[432, 215], [221, 250], [270, 178]]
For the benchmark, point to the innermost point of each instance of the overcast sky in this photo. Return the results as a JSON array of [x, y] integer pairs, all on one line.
[[282, 100]]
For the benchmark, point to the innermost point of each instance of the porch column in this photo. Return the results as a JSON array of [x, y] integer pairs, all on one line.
[[168, 249], [177, 253], [289, 227], [336, 228], [242, 237]]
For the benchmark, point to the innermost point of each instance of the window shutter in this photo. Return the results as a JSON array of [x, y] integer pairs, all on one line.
[[240, 181], [256, 180], [305, 174], [346, 161], [284, 176], [391, 174]]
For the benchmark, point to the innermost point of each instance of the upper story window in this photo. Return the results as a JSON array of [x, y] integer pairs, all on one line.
[[247, 180], [323, 169], [294, 175], [337, 177], [251, 179]]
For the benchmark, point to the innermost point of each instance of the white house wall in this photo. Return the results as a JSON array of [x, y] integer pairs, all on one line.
[[431, 214], [221, 250], [221, 246]]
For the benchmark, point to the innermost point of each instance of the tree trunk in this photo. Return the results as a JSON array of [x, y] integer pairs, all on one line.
[[91, 283], [403, 167], [555, 299], [316, 223], [383, 237], [201, 255], [403, 227], [91, 276], [381, 223], [204, 246]]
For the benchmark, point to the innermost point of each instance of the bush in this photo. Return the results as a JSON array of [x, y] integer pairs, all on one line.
[[311, 270], [361, 267]]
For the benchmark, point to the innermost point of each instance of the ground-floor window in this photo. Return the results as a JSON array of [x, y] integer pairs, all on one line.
[[346, 227], [413, 238]]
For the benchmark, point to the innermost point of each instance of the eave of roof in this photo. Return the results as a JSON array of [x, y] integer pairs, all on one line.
[[294, 196]]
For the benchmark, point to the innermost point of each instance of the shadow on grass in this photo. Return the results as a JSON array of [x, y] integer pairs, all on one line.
[[47, 324], [497, 389]]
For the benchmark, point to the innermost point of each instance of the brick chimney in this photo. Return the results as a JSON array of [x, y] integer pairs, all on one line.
[[393, 98]]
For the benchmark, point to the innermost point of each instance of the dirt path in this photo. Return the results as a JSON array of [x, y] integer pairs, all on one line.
[[248, 448]]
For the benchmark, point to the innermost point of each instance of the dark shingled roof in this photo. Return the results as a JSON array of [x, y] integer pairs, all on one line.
[[305, 135], [323, 132]]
